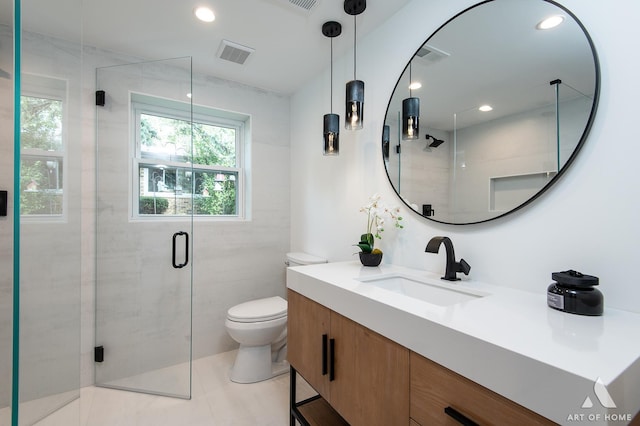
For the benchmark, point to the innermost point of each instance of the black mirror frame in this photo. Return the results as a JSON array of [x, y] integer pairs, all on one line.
[[583, 138]]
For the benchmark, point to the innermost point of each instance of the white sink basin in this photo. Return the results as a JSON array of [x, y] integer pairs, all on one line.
[[441, 294]]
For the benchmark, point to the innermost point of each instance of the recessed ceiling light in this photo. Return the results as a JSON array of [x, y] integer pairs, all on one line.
[[204, 14], [415, 85], [485, 108], [550, 22]]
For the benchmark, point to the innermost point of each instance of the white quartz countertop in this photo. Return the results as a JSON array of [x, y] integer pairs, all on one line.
[[509, 341]]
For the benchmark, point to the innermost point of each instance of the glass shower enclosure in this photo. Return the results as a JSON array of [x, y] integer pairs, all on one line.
[[53, 248], [144, 221], [42, 76]]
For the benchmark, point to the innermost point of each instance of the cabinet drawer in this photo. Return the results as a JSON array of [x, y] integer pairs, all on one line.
[[434, 388]]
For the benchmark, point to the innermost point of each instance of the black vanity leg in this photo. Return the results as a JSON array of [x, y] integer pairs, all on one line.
[[295, 416], [292, 396]]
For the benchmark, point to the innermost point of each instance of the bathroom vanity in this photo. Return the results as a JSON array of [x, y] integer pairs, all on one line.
[[393, 345]]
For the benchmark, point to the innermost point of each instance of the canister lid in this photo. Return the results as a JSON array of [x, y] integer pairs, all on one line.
[[574, 279]]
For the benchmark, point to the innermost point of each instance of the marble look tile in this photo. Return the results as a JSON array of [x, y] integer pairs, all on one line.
[[5, 416], [47, 411], [67, 415], [215, 401]]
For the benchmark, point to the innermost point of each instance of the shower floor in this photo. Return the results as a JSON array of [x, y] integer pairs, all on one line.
[[215, 401]]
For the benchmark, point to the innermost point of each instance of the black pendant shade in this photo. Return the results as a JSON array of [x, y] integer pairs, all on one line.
[[331, 127], [354, 105], [410, 118], [331, 134], [410, 114], [354, 108]]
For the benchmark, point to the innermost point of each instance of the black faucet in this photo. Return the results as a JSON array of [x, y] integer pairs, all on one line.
[[452, 266]]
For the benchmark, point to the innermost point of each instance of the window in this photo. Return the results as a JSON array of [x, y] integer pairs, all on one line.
[[42, 139], [185, 167]]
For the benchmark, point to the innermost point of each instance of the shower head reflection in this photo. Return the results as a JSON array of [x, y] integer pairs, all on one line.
[[436, 142]]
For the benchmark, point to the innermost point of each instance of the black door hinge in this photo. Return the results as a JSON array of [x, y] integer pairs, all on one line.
[[100, 97], [98, 353]]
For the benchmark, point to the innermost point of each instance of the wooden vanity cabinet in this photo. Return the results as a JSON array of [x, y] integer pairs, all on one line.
[[435, 388], [370, 383], [307, 332], [378, 382]]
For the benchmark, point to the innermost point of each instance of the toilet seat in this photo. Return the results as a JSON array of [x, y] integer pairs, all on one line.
[[267, 309]]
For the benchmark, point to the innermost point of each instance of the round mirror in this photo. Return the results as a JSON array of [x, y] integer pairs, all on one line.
[[491, 110]]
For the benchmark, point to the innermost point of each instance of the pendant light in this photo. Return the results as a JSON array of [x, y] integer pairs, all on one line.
[[331, 131], [355, 88], [410, 114]]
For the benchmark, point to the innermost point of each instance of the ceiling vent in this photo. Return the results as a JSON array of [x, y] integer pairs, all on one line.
[[431, 55], [234, 52], [305, 6]]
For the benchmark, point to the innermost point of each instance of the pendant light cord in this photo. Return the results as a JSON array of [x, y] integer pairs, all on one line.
[[354, 46], [410, 82], [331, 67]]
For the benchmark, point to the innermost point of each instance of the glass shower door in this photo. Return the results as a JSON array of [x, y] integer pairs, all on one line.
[[144, 227]]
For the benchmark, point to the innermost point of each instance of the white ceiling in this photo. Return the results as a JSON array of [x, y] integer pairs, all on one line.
[[289, 45], [290, 48]]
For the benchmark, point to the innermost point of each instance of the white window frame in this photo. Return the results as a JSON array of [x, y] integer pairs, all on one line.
[[45, 87], [140, 104]]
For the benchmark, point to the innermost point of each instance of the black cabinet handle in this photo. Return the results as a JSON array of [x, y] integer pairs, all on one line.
[[324, 354], [459, 417], [186, 250], [332, 353]]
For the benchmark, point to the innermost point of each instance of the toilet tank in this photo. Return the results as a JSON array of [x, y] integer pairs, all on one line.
[[297, 259]]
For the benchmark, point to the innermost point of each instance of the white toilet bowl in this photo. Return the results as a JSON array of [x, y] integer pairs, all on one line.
[[260, 326]]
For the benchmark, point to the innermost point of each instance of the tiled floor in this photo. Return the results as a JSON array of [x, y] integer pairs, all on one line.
[[215, 401]]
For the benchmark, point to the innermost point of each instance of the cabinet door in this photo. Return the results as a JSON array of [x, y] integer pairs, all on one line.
[[307, 323], [434, 387], [371, 385]]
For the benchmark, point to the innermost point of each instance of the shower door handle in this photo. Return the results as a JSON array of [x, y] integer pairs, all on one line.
[[186, 250]]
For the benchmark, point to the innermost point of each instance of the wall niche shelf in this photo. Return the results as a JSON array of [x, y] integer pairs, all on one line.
[[508, 191]]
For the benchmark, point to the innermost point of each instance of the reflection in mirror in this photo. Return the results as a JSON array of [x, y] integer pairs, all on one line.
[[505, 107]]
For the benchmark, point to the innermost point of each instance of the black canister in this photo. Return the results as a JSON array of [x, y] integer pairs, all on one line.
[[574, 292]]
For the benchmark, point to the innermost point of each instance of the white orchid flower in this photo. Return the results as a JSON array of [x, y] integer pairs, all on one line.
[[376, 210]]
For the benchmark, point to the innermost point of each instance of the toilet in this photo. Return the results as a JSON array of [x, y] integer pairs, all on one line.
[[260, 327]]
